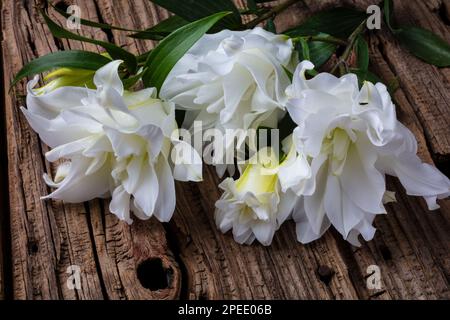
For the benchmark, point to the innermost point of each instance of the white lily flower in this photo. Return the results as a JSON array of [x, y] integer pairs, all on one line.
[[353, 139], [233, 80], [256, 204], [116, 142]]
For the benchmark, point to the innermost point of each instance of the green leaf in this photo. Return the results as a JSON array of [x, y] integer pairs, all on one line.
[[422, 43], [388, 9], [251, 4], [115, 51], [68, 59], [304, 49], [288, 73], [156, 32], [425, 45], [270, 26], [143, 57], [362, 53], [162, 58], [131, 80], [319, 51], [339, 22], [192, 10], [162, 29]]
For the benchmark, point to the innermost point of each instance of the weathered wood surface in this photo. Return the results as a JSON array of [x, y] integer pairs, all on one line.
[[188, 257]]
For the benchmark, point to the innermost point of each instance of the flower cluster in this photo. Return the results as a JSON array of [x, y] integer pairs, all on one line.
[[114, 143], [233, 80], [330, 172]]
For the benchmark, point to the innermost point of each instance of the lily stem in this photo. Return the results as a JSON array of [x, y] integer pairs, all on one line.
[[269, 14], [350, 44], [329, 39]]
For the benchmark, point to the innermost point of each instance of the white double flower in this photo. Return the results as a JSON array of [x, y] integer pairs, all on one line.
[[233, 80], [353, 139], [113, 142], [255, 205]]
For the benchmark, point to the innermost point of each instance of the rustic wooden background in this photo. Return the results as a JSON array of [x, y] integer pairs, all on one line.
[[189, 258]]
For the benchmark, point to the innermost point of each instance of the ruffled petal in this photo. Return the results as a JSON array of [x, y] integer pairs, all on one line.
[[78, 186], [120, 204], [165, 204], [187, 162], [108, 76], [421, 179], [147, 189]]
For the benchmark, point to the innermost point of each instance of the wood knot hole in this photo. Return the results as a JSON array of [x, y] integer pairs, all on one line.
[[385, 252], [33, 247], [152, 274], [325, 274]]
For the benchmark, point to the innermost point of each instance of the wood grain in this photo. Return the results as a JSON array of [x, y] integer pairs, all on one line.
[[188, 257]]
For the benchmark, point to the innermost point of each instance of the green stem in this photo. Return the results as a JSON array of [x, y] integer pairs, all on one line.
[[248, 11], [350, 44], [329, 39], [269, 14]]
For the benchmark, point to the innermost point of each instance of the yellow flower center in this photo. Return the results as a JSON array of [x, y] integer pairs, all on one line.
[[336, 144]]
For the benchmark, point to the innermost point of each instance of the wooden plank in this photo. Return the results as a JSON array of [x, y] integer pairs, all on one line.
[[48, 237], [4, 211], [189, 257], [427, 87]]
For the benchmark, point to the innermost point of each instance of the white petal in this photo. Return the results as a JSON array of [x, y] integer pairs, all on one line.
[[264, 232], [294, 174], [69, 149], [234, 87], [54, 132], [133, 174], [125, 144], [187, 162], [165, 205], [285, 206], [79, 187], [108, 76], [421, 179], [147, 190], [298, 79], [360, 171], [333, 205], [314, 206], [49, 105], [62, 171], [304, 230], [120, 204]]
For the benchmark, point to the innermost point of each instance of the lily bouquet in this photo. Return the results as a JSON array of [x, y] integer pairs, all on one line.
[[126, 126]]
